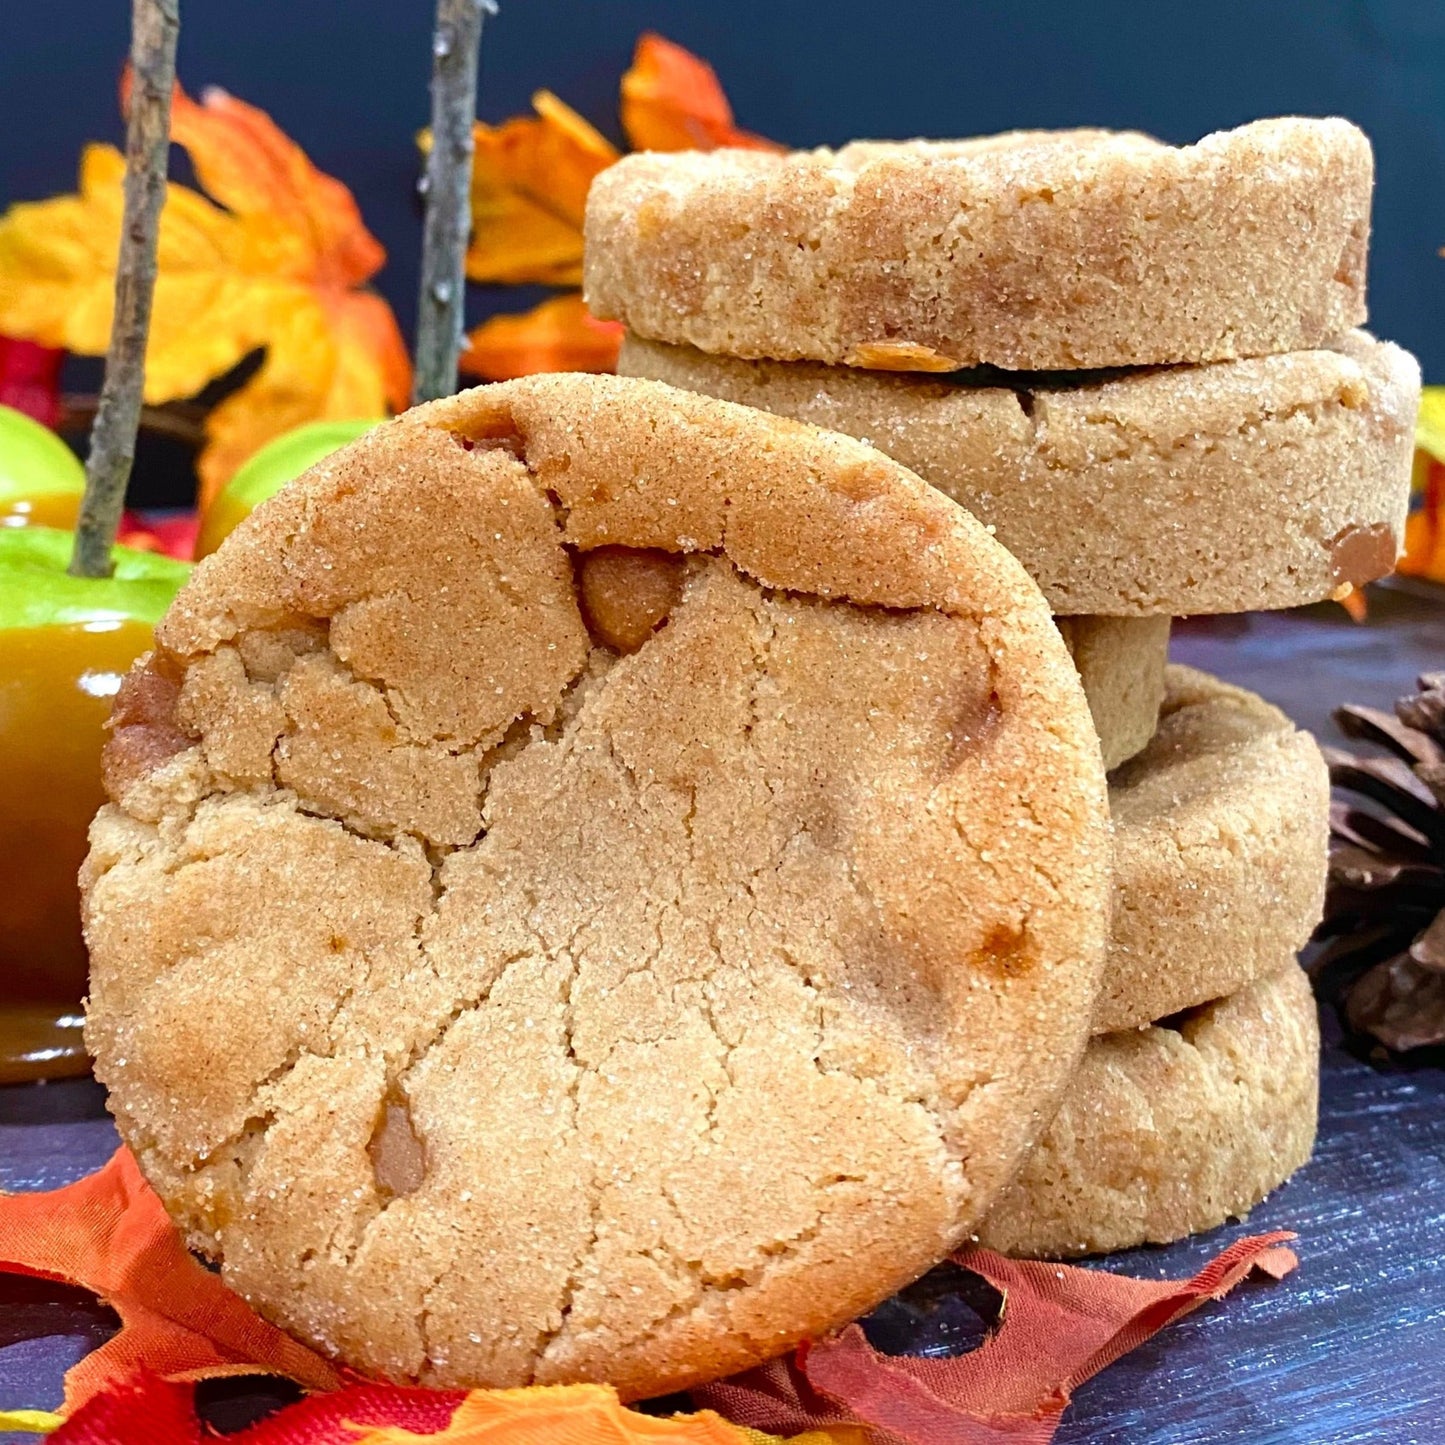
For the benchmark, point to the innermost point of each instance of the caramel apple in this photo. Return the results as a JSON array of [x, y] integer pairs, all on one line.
[[65, 644], [41, 479]]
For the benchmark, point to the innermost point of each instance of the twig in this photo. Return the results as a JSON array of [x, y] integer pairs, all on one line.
[[155, 26], [447, 184]]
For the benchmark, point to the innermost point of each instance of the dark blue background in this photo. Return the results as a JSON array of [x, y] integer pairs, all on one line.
[[347, 78]]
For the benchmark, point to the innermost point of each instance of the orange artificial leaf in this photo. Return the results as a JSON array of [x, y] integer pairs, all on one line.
[[322, 366], [672, 101], [558, 1414], [110, 1234], [272, 259], [559, 335], [529, 190], [248, 164]]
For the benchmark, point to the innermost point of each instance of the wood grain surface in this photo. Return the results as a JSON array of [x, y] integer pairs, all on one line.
[[1350, 1348]]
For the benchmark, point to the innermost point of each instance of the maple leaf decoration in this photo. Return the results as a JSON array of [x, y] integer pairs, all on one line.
[[1380, 953], [529, 195], [672, 101], [273, 256]]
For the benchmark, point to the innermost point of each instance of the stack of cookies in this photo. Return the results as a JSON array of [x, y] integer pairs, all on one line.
[[1138, 366], [606, 883]]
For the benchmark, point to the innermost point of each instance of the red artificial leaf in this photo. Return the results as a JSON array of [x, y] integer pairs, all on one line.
[[110, 1234], [1060, 1326], [172, 536], [30, 379], [162, 1412]]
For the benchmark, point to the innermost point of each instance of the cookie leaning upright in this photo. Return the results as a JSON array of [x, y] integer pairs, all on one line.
[[1027, 251], [604, 884]]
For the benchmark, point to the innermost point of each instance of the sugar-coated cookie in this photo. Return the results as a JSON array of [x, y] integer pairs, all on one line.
[[1221, 839], [1242, 486], [527, 941], [1173, 1129], [1121, 662], [1035, 250]]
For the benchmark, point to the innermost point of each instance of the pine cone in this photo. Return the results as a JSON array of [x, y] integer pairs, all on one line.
[[1379, 955]]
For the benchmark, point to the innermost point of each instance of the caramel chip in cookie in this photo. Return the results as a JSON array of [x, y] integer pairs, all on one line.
[[625, 886]]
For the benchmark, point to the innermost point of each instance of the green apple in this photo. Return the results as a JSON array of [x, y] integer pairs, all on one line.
[[36, 590], [65, 644], [264, 473], [41, 479]]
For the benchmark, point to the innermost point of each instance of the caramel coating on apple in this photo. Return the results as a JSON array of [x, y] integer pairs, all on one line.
[[626, 592]]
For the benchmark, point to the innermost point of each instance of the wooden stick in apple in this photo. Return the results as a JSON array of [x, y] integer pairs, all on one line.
[[155, 26], [447, 186]]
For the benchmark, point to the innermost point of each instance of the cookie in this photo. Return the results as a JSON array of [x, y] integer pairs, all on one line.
[[1221, 829], [1247, 485], [527, 943], [1121, 662], [1033, 251], [1173, 1129]]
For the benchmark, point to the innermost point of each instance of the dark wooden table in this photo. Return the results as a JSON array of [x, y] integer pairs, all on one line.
[[1350, 1348]]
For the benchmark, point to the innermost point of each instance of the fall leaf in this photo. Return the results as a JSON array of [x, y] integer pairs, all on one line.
[[529, 198], [1060, 1326], [559, 335], [672, 101], [1425, 526], [551, 1414], [271, 257], [109, 1233], [146, 1407], [530, 175], [529, 190], [30, 379]]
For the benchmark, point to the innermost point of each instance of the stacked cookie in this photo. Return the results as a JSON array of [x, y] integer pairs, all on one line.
[[1137, 365]]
